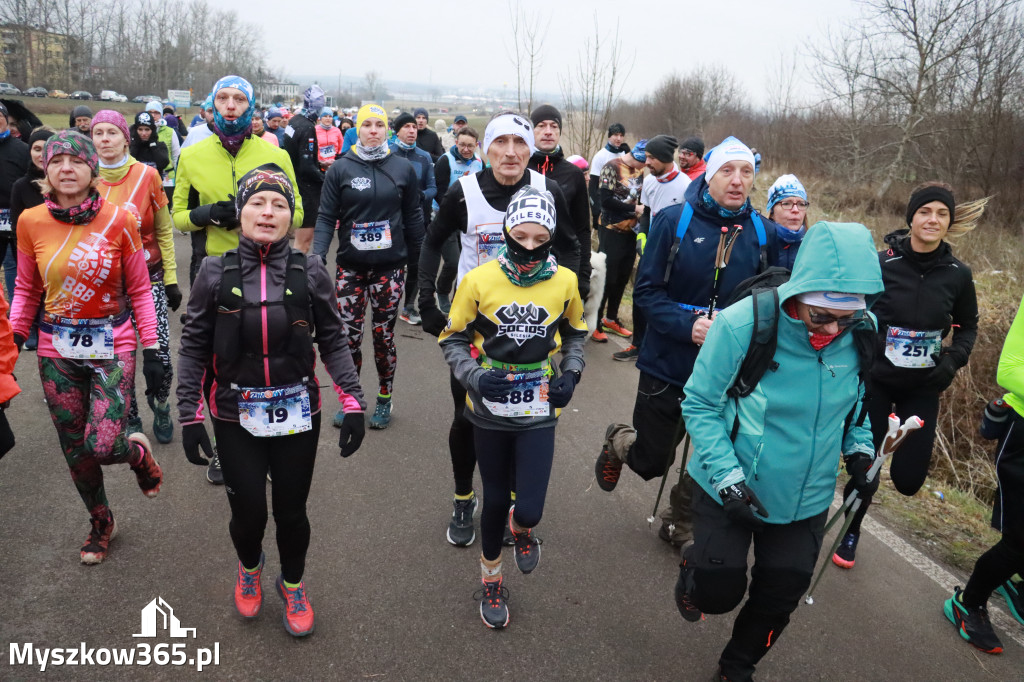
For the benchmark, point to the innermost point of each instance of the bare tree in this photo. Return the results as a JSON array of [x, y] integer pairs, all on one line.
[[374, 87], [590, 90], [527, 39], [907, 56]]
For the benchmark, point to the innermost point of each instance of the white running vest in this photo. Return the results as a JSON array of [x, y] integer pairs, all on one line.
[[483, 236]]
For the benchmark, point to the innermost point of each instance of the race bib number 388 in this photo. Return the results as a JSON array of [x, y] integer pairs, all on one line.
[[528, 397], [274, 411]]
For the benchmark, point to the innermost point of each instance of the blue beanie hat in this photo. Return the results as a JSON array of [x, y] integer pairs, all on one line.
[[639, 151], [786, 186], [420, 110], [243, 121], [326, 111]]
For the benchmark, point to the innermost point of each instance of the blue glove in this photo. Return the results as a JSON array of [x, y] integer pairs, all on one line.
[[561, 389], [494, 385]]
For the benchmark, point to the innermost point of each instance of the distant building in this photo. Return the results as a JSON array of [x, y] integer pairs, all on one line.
[[31, 57], [278, 92]]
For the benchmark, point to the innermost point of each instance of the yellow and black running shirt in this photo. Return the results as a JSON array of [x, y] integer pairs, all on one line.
[[515, 325]]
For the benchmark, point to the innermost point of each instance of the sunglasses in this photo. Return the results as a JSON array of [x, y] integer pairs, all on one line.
[[822, 319]]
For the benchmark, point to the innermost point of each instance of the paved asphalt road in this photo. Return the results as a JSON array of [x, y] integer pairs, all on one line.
[[393, 599]]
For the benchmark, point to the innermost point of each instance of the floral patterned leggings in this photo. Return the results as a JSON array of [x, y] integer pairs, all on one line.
[[88, 402]]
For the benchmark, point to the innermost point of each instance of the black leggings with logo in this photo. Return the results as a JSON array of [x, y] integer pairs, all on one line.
[[245, 460]]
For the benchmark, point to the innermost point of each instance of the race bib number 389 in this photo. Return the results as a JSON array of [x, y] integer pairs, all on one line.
[[274, 411], [371, 236]]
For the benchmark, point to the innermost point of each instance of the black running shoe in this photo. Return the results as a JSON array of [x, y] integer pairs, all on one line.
[[213, 472], [846, 552], [527, 547], [607, 469], [684, 586], [972, 623], [493, 609], [1011, 592], [460, 529]]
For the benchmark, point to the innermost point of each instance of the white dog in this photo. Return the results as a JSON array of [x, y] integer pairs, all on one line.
[[598, 263]]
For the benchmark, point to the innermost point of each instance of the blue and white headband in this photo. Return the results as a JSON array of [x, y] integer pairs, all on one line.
[[785, 186]]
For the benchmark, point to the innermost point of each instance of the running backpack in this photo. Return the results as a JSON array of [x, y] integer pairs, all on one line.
[[760, 357], [231, 302]]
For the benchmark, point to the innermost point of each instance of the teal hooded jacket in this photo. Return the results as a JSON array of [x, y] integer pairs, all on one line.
[[793, 426]]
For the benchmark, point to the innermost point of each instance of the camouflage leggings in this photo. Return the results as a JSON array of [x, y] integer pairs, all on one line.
[[88, 404]]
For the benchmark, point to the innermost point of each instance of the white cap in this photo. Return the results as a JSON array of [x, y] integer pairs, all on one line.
[[509, 124], [730, 149], [836, 300], [154, 105]]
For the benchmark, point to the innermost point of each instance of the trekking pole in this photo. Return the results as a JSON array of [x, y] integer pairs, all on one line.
[[893, 437], [725, 244], [668, 468]]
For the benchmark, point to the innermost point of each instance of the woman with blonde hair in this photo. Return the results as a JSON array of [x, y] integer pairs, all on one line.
[[929, 296]]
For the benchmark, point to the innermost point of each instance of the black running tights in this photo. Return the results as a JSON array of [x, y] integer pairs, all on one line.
[[512, 460], [910, 462], [245, 460]]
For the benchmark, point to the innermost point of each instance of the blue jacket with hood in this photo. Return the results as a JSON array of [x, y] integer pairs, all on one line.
[[667, 350], [793, 427]]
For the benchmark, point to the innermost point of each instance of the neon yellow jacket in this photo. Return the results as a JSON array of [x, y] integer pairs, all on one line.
[[208, 173]]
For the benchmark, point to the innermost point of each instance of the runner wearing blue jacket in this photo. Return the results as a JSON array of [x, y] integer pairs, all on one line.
[[675, 285], [766, 463]]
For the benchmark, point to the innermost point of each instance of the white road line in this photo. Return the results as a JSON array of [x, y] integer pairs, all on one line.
[[1005, 622]]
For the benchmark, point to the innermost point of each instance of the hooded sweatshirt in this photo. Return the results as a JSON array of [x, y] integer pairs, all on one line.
[[793, 427]]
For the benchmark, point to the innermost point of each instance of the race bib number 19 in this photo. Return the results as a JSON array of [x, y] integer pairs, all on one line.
[[528, 397], [371, 236], [274, 411], [84, 342]]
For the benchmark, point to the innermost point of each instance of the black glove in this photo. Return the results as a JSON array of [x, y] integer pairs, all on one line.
[[494, 385], [741, 505], [152, 370], [220, 213], [560, 390], [173, 296], [942, 374], [857, 466], [353, 428], [193, 437], [19, 341], [434, 321]]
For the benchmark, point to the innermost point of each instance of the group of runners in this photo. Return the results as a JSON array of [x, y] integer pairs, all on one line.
[[505, 218]]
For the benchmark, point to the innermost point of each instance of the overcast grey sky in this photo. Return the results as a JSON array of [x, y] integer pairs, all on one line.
[[422, 41]]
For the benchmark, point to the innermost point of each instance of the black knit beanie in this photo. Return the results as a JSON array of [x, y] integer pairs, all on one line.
[[662, 148], [402, 120], [546, 112], [693, 144]]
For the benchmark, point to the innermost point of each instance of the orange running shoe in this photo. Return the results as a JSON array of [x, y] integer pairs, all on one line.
[[298, 612], [248, 592], [615, 328], [97, 545], [599, 336], [147, 471]]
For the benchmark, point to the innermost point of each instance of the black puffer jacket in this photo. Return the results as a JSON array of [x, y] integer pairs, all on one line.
[[357, 191], [262, 268], [932, 291], [151, 152]]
